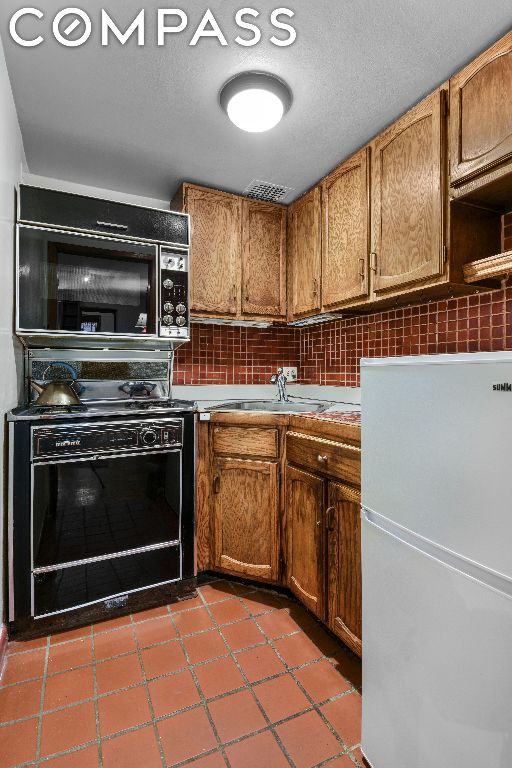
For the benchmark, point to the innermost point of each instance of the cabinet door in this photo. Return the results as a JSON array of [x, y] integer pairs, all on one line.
[[305, 531], [481, 113], [344, 558], [408, 198], [245, 502], [215, 251], [306, 254], [345, 246], [263, 259]]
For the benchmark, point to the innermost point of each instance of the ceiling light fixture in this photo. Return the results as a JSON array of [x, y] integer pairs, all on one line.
[[255, 101]]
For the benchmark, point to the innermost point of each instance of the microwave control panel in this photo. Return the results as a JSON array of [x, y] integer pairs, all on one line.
[[174, 302]]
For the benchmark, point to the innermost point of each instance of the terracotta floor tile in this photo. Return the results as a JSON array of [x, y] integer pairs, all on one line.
[[281, 698], [215, 760], [358, 755], [206, 646], [185, 605], [173, 693], [297, 649], [114, 643], [19, 646], [68, 687], [163, 659], [257, 751], [69, 655], [341, 762], [242, 589], [277, 624], [118, 673], [218, 677], [186, 735], [154, 631], [23, 666], [152, 613], [259, 663], [218, 590], [132, 750], [188, 622], [242, 635], [308, 740], [236, 715], [18, 743], [115, 623], [326, 643], [68, 728], [123, 710], [301, 616], [71, 634], [349, 666], [260, 602], [17, 701], [84, 758], [322, 681], [345, 716], [230, 610]]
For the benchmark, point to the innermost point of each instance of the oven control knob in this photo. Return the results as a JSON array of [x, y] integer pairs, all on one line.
[[168, 284], [181, 308], [167, 319], [149, 437], [168, 307], [180, 321]]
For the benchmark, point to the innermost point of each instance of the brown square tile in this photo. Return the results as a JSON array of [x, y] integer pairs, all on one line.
[[257, 751], [83, 758], [260, 602], [163, 659], [259, 663], [341, 762], [115, 623], [218, 590], [152, 613], [186, 735], [242, 635], [206, 646], [326, 643], [215, 760], [228, 611], [188, 622], [277, 624], [170, 694], [23, 666], [345, 716], [17, 701], [123, 710], [114, 643], [154, 631], [68, 687], [236, 715], [118, 673], [218, 677], [68, 728], [281, 698], [308, 740], [138, 749], [72, 634], [358, 757], [186, 605], [67, 656], [322, 681], [349, 666], [297, 649], [18, 743], [19, 646]]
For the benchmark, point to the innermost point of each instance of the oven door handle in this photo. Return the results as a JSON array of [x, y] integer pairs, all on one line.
[[97, 456]]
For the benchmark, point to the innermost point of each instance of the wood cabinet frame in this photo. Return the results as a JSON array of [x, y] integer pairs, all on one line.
[[305, 271]]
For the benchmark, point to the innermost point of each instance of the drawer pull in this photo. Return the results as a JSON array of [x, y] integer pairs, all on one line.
[[329, 516], [111, 225], [322, 459], [216, 484]]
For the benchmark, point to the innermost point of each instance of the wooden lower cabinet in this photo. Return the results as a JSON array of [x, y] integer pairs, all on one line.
[[305, 532]]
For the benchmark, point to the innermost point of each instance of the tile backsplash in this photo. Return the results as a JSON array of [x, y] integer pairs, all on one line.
[[329, 353]]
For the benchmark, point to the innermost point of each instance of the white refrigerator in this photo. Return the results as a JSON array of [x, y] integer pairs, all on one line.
[[437, 561]]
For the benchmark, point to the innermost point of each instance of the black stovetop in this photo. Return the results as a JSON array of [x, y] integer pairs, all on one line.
[[101, 409]]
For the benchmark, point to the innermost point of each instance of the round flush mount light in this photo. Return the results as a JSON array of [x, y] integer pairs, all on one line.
[[255, 101]]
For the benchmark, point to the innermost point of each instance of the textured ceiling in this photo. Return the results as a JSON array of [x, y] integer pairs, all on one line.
[[143, 119]]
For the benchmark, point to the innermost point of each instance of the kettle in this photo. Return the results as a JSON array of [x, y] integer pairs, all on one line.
[[57, 392]]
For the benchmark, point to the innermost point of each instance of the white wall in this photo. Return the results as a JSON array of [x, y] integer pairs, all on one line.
[[12, 164]]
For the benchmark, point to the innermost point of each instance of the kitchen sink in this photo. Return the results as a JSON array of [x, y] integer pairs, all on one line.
[[272, 405]]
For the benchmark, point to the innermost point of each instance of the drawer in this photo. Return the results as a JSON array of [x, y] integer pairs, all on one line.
[[326, 457], [246, 441], [61, 209]]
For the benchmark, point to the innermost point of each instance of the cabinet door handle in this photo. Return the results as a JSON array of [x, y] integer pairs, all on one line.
[[216, 484], [362, 270], [322, 459], [373, 262], [234, 293], [247, 291], [111, 225], [315, 286], [329, 518]]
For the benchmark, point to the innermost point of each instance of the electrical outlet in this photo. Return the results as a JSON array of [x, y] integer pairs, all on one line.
[[290, 373]]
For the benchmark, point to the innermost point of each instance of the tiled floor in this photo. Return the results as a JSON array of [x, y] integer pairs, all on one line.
[[235, 677]]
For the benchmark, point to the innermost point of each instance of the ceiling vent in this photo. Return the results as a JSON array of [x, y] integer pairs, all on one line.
[[264, 190]]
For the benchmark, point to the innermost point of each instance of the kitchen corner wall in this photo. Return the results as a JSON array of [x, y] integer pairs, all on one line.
[[329, 353]]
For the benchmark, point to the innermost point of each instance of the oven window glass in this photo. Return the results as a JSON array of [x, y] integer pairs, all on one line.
[[86, 509], [78, 284]]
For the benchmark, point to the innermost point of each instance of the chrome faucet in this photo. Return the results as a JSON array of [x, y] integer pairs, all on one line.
[[280, 379]]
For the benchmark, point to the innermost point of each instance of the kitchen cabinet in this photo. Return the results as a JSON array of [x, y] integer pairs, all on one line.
[[346, 229], [263, 259], [408, 199], [305, 255]]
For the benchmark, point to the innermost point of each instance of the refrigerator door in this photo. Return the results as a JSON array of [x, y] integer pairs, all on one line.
[[437, 664], [437, 448]]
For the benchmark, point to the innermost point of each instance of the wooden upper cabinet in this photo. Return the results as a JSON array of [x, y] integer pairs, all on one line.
[[408, 193], [345, 244], [481, 113], [305, 254], [263, 259], [215, 251]]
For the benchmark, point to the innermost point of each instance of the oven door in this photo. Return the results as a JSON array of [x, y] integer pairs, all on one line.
[[76, 284], [104, 526]]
